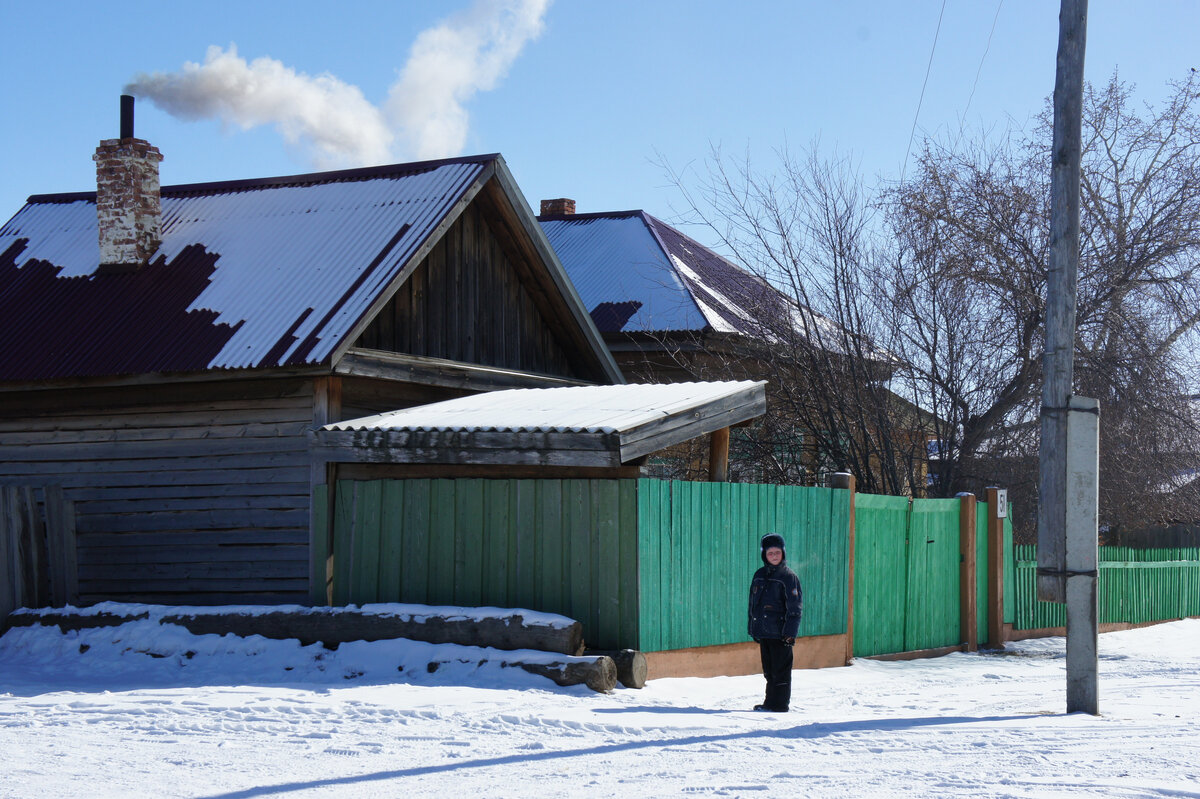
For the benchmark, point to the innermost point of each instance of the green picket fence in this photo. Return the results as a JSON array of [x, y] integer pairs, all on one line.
[[1135, 586]]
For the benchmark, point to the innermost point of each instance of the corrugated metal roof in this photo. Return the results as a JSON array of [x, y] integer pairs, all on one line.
[[616, 259], [260, 273], [636, 273], [575, 409]]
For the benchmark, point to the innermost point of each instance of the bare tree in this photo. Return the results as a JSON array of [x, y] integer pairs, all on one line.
[[922, 307]]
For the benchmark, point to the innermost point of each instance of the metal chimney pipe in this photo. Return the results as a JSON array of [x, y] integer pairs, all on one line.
[[126, 116]]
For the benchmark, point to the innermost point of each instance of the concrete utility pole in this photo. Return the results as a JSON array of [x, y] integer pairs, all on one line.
[[1067, 542]]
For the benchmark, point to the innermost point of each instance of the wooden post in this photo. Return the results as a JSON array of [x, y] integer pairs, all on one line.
[[327, 408], [997, 502], [968, 586], [846, 480], [718, 455]]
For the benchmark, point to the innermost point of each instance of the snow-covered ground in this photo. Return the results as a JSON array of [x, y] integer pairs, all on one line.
[[145, 710]]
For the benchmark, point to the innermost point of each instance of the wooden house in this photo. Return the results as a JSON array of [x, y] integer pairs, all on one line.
[[167, 352], [172, 354]]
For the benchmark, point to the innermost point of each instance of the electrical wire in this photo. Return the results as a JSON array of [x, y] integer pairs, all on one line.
[[921, 101], [986, 48]]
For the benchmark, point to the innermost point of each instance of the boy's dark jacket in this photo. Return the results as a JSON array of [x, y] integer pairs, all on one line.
[[776, 601]]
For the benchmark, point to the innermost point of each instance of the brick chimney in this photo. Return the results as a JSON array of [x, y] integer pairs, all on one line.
[[128, 205], [560, 207]]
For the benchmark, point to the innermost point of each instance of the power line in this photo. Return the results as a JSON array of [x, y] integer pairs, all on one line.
[[988, 47], [920, 102]]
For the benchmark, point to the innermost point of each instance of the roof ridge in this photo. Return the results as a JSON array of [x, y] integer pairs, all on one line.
[[592, 215], [307, 178]]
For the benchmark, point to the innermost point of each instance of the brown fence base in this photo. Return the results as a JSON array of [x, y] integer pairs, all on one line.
[[734, 660], [918, 654]]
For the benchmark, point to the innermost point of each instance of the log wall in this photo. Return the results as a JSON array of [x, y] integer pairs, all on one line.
[[194, 494]]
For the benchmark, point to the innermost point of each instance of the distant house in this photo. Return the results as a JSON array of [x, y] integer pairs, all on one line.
[[168, 353], [671, 309], [663, 301]]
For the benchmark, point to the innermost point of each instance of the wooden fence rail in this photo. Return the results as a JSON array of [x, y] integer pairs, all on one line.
[[37, 548]]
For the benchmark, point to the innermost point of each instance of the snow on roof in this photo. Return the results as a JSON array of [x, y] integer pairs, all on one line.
[[253, 273], [575, 409]]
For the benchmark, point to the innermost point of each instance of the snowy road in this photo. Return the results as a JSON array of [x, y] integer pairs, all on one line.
[[224, 717]]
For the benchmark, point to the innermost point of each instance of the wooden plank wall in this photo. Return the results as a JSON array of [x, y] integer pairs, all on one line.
[[194, 494], [467, 302], [37, 549]]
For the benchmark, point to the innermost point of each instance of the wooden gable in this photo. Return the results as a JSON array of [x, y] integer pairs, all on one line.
[[482, 296]]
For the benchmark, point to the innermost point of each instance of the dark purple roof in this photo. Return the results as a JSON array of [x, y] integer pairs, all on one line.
[[250, 274]]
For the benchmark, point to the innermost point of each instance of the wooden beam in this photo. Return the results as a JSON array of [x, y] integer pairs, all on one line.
[[846, 481], [466, 448], [411, 471], [360, 362], [693, 422], [718, 455]]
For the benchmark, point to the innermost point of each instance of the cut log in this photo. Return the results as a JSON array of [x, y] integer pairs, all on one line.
[[598, 673], [631, 665], [334, 626]]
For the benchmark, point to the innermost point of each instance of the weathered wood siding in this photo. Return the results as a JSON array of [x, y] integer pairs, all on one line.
[[468, 302], [184, 493]]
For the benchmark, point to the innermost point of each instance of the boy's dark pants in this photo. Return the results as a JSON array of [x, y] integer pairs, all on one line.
[[777, 668]]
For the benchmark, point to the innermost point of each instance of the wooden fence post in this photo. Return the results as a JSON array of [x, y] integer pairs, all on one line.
[[997, 502], [846, 480], [968, 600]]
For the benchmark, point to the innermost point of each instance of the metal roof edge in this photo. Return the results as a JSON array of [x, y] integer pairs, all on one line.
[[333, 176], [508, 184]]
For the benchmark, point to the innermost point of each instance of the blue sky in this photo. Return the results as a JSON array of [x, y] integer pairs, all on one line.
[[587, 106]]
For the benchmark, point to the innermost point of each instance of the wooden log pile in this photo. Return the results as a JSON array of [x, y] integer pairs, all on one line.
[[334, 626]]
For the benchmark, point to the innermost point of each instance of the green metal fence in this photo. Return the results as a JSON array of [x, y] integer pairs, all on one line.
[[698, 547], [645, 564], [1135, 586]]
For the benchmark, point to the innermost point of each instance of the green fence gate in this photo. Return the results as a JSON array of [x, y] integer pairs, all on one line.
[[907, 573]]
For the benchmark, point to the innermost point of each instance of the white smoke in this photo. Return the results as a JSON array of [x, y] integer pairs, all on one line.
[[423, 116], [468, 53]]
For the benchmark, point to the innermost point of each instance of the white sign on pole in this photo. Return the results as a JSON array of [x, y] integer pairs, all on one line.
[[1002, 503]]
